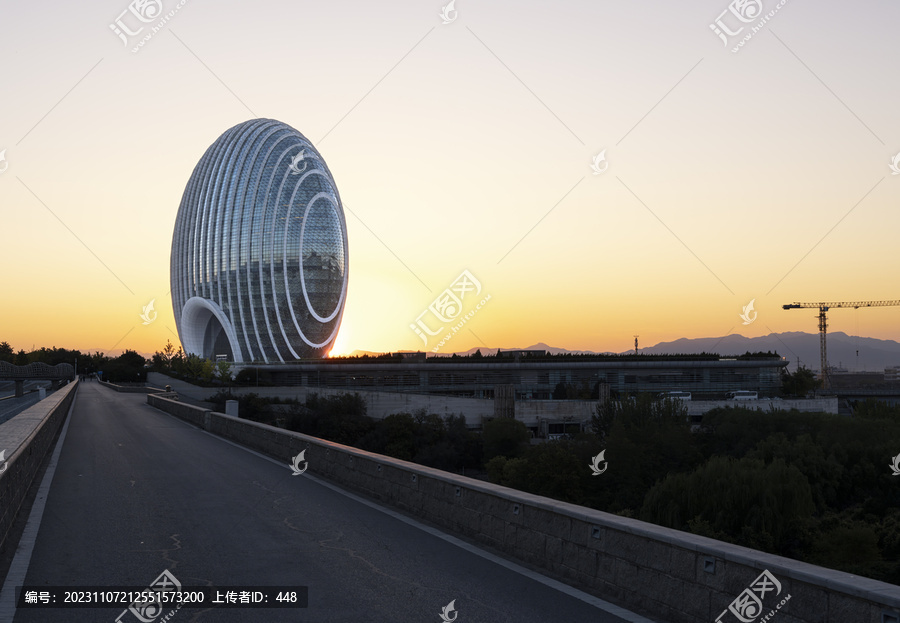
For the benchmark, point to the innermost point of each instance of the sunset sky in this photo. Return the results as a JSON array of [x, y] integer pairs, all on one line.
[[758, 174]]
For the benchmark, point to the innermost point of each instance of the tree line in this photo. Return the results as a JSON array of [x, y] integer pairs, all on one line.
[[129, 367]]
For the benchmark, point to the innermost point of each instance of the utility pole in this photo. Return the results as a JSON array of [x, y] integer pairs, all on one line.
[[636, 344]]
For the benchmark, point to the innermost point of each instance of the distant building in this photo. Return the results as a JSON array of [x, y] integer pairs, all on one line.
[[412, 355], [843, 379], [892, 375], [522, 352], [704, 378], [259, 254]]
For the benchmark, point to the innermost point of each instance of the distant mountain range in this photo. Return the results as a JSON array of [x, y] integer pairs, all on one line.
[[844, 351], [873, 354]]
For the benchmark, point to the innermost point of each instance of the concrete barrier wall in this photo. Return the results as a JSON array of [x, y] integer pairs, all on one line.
[[665, 574], [813, 405], [532, 411], [27, 438], [380, 404], [130, 389]]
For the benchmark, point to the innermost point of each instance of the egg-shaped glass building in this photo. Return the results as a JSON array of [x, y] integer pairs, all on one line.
[[259, 254]]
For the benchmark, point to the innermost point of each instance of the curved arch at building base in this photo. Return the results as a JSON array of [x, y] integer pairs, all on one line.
[[207, 332]]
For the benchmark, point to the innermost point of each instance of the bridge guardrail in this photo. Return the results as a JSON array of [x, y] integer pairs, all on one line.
[[36, 370], [26, 439], [663, 573]]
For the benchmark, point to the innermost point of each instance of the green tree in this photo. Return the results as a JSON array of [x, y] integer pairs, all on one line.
[[21, 358], [168, 353], [129, 367], [559, 470], [873, 409], [638, 412], [161, 361], [193, 366], [851, 546], [393, 436], [6, 353], [341, 418], [508, 472], [207, 371], [223, 371], [504, 436], [644, 440], [799, 383], [460, 448], [178, 364], [759, 505]]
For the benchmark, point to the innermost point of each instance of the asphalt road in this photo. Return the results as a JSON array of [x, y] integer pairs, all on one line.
[[136, 491]]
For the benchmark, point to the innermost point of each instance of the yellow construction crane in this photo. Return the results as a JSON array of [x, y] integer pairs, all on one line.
[[823, 325]]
